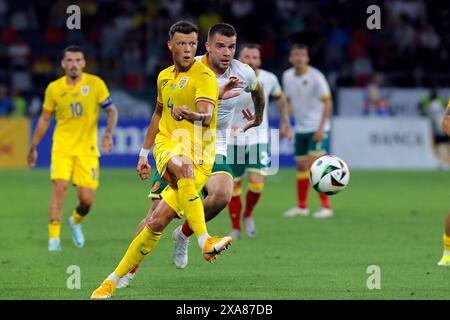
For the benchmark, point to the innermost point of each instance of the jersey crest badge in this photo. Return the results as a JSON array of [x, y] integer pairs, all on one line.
[[84, 90], [182, 82]]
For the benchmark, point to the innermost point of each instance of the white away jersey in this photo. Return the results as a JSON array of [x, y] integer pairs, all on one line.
[[305, 93], [226, 108], [259, 134]]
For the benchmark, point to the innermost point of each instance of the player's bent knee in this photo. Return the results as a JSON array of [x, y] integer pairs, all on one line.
[[155, 224], [60, 186]]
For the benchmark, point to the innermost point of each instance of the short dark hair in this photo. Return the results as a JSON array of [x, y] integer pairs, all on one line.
[[184, 27], [72, 48], [224, 29], [299, 46], [249, 46]]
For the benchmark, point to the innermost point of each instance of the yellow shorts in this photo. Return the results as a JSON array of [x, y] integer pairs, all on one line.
[[163, 152], [170, 196], [84, 171]]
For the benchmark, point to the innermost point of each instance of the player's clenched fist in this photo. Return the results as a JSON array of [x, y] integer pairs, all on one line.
[[143, 168]]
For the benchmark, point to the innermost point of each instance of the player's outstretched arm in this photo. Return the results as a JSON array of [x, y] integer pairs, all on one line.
[[225, 90], [259, 103], [203, 114], [143, 167], [285, 125], [111, 122], [41, 129], [446, 122]]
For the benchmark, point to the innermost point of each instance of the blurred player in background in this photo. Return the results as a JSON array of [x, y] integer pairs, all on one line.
[[308, 93], [183, 131], [221, 47], [250, 150], [445, 260], [376, 98], [75, 99]]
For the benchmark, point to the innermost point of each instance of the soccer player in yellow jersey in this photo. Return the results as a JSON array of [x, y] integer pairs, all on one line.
[[75, 99], [445, 260], [182, 131]]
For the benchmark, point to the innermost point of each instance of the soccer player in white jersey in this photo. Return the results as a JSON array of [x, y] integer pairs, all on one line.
[[221, 47], [250, 149], [308, 93]]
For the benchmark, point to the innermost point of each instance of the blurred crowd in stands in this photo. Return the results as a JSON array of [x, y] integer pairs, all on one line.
[[125, 41]]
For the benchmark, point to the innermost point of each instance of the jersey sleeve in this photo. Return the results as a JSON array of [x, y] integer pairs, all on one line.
[[322, 88], [276, 88], [207, 88], [49, 104], [104, 97], [250, 78], [158, 88]]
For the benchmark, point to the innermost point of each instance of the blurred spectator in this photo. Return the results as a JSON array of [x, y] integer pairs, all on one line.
[[53, 35], [428, 38], [19, 104], [132, 66], [19, 54], [208, 19], [241, 8], [6, 106], [173, 7], [415, 10], [376, 100], [3, 11], [358, 53], [338, 40], [411, 48], [405, 36]]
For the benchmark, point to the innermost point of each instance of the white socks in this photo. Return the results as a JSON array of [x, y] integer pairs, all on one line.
[[113, 277], [202, 239]]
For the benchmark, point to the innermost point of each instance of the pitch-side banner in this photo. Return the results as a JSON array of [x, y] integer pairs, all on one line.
[[389, 143], [402, 101], [14, 134]]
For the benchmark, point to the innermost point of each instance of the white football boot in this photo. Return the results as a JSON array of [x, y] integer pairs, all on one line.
[[323, 213], [180, 256], [293, 212], [250, 227]]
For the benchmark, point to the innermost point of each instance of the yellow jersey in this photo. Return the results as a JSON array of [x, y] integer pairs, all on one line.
[[76, 111], [196, 84]]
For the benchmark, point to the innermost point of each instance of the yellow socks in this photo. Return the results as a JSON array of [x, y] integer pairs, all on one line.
[[302, 175], [76, 217], [191, 203], [237, 191], [54, 229], [256, 187], [446, 240], [142, 245]]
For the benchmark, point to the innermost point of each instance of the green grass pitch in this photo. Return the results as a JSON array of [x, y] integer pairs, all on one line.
[[392, 219]]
